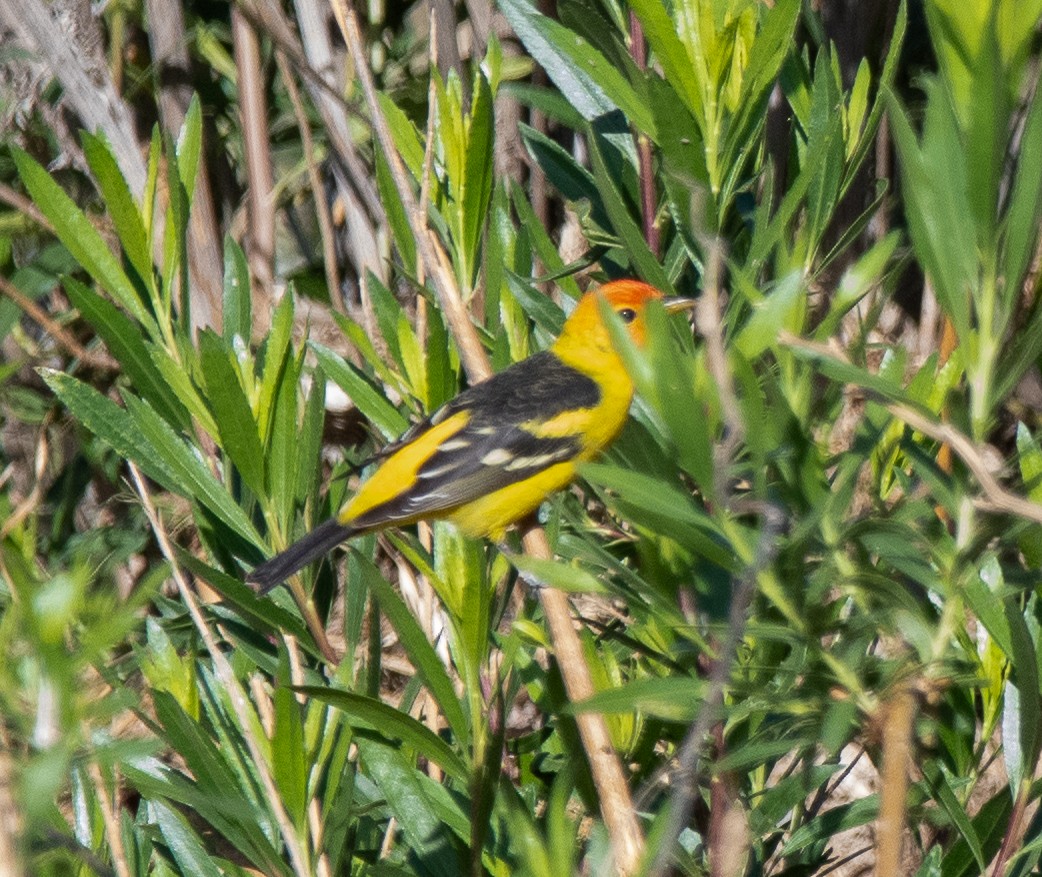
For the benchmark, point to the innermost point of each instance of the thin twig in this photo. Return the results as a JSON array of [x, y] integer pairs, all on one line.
[[616, 804], [253, 110], [325, 221], [11, 816], [893, 811], [690, 754], [28, 505], [52, 327], [1014, 829], [25, 206], [226, 676], [639, 53], [109, 818]]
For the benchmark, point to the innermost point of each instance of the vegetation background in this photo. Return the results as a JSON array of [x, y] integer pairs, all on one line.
[[243, 245]]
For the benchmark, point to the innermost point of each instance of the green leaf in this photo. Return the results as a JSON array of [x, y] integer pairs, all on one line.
[[476, 190], [411, 801], [566, 577], [593, 85], [622, 220], [124, 341], [541, 308], [184, 844], [261, 615], [661, 32], [943, 794], [673, 698], [369, 399], [396, 216], [830, 823], [309, 439], [663, 509], [283, 440], [276, 354], [370, 713], [288, 756], [119, 204], [195, 480], [180, 382], [990, 826], [75, 231], [421, 653], [406, 138], [141, 435], [107, 420], [937, 204], [413, 360], [1029, 456], [237, 321], [231, 411], [189, 147], [568, 176]]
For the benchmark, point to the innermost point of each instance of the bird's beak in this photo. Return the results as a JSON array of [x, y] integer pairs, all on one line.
[[677, 303]]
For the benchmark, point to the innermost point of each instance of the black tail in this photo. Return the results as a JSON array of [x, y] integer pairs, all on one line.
[[323, 539]]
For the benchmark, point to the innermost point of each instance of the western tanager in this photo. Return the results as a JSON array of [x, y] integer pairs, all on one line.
[[490, 456]]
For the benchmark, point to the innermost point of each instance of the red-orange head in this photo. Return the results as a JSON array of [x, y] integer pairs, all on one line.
[[585, 329]]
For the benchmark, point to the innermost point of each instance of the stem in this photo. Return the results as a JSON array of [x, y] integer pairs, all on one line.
[[620, 818]]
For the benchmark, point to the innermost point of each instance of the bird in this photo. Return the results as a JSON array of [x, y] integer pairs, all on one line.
[[489, 457]]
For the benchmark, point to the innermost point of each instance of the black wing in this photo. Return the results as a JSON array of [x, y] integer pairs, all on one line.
[[495, 448]]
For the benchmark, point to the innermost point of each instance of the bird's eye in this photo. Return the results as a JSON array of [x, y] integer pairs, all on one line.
[[627, 315]]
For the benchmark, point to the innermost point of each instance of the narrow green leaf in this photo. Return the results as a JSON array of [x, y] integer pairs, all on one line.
[[421, 653], [237, 302], [477, 174], [830, 823], [194, 479], [288, 756], [557, 574], [945, 796], [541, 308], [180, 381], [236, 427], [124, 341], [989, 825], [414, 360], [263, 615], [593, 85], [189, 147], [673, 698], [569, 177], [203, 757], [396, 216], [75, 231], [623, 222], [661, 32], [103, 417], [275, 353], [370, 713], [369, 399], [184, 844], [1029, 457], [119, 204], [662, 508], [281, 465], [411, 802], [309, 439], [406, 138]]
